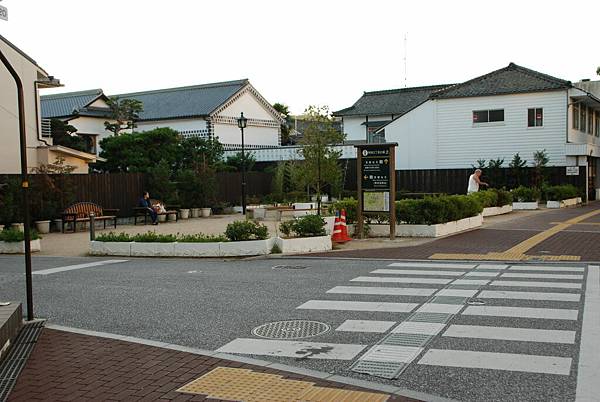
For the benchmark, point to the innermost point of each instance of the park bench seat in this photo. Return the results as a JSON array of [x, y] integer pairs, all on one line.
[[80, 212], [143, 212]]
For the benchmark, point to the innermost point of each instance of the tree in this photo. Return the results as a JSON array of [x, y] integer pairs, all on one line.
[[138, 152], [495, 171], [540, 160], [125, 112], [517, 165], [480, 164], [321, 161], [64, 134], [236, 161], [196, 152], [285, 127]]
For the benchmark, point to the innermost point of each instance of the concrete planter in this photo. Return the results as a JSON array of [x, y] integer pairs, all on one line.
[[152, 249], [172, 217], [42, 226], [246, 248], [570, 202], [57, 224], [440, 229], [110, 248], [304, 244], [162, 218], [184, 213], [197, 249], [525, 205], [493, 211], [19, 247], [18, 226], [195, 212], [205, 212], [1, 228]]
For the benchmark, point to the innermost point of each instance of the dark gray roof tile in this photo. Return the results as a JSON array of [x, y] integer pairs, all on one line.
[[63, 105]]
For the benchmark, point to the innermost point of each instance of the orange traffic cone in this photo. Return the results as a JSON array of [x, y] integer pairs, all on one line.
[[340, 231]]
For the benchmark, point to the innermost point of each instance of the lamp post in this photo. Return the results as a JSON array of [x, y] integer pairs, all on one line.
[[242, 123]]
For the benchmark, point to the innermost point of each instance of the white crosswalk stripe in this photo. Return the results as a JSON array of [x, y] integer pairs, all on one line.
[[434, 281], [541, 276], [295, 349], [503, 294], [383, 291], [342, 305], [533, 284], [417, 272], [545, 268], [432, 265], [510, 334], [522, 312], [365, 326]]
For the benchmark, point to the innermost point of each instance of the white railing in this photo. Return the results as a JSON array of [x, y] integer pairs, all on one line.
[[283, 153]]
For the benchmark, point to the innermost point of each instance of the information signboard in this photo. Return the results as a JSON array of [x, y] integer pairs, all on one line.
[[572, 170], [3, 13]]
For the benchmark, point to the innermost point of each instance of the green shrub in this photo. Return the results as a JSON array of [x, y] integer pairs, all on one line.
[[246, 230], [434, 210], [14, 235], [201, 238], [309, 226], [559, 193], [348, 204], [504, 197], [286, 227], [114, 237], [487, 198], [152, 237], [525, 194]]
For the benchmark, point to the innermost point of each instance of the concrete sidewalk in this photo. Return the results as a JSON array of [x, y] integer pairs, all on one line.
[[70, 366]]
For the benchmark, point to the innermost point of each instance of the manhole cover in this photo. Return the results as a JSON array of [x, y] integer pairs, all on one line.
[[292, 329], [290, 267]]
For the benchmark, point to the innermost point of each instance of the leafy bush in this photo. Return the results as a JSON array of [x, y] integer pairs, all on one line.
[[559, 193], [246, 230], [152, 237], [14, 235], [114, 237], [525, 194], [348, 204], [487, 198], [434, 210], [504, 197], [201, 238], [304, 226]]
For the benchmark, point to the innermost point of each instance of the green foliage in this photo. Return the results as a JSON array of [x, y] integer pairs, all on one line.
[[196, 188], [480, 164], [320, 166], [517, 166], [559, 193], [246, 230], [51, 190], [285, 127], [236, 161], [525, 194], [65, 135], [434, 210], [504, 197], [14, 235], [139, 152], [517, 162], [348, 204], [124, 113], [304, 226], [487, 198], [153, 237], [160, 185], [10, 201], [198, 153], [540, 160]]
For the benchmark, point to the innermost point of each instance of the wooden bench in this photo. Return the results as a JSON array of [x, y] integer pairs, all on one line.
[[143, 212], [80, 212]]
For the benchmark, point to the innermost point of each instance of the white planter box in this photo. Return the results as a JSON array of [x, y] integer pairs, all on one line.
[[152, 249], [304, 244], [195, 212], [441, 229], [525, 205], [329, 222], [197, 249], [110, 248], [184, 213], [570, 202], [493, 211], [242, 248], [19, 247]]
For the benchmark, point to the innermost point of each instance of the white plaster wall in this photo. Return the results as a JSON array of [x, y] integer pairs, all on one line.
[[460, 143], [355, 129], [251, 107], [415, 134], [9, 120], [99, 103], [176, 124], [577, 136], [230, 134]]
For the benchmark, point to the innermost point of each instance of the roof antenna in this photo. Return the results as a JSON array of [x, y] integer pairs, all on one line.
[[405, 54]]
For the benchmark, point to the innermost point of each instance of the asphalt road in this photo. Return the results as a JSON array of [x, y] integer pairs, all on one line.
[[216, 304]]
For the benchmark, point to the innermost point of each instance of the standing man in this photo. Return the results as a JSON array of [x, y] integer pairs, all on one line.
[[475, 182], [145, 203]]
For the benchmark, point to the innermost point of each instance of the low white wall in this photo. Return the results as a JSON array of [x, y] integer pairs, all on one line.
[[222, 249], [525, 205], [304, 244], [493, 211], [570, 202], [19, 247], [438, 230]]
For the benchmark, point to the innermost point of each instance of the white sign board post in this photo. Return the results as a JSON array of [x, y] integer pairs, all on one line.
[[572, 170], [3, 13]]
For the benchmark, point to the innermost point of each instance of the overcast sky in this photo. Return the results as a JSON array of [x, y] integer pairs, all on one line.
[[300, 52]]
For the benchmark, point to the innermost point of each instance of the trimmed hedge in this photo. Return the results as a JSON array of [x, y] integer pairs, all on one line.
[[434, 210], [152, 237], [304, 226], [559, 193], [351, 207], [526, 194], [15, 235], [493, 197]]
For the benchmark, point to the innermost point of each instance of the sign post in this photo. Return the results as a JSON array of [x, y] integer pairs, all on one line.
[[376, 183]]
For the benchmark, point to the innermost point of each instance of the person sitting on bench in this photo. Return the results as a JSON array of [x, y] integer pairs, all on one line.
[[145, 203]]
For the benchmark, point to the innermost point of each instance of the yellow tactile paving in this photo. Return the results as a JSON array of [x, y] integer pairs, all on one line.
[[517, 252], [246, 385]]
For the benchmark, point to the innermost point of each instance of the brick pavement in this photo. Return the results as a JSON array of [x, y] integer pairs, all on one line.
[[66, 366]]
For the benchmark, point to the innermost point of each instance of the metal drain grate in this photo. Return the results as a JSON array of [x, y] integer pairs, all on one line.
[[379, 369], [290, 267], [441, 318], [292, 329], [17, 356], [406, 339], [449, 300]]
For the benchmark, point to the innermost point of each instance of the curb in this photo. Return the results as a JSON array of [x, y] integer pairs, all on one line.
[[261, 363]]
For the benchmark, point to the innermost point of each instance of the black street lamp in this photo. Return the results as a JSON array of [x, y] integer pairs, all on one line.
[[242, 123]]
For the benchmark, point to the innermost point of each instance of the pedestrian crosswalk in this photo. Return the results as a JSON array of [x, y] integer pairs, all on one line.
[[425, 311]]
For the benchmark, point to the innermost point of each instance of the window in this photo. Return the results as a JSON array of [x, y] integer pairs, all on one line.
[[582, 118], [535, 117], [575, 116], [597, 131], [488, 116], [590, 121]]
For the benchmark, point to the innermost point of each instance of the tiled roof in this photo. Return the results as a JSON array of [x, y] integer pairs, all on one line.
[[393, 101], [63, 105], [185, 102], [508, 80]]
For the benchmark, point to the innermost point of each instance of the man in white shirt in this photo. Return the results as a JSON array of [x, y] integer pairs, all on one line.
[[475, 182]]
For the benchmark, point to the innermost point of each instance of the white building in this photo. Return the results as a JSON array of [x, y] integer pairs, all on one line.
[[508, 111], [209, 110], [40, 149]]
